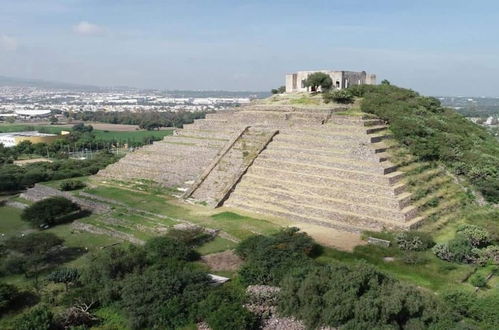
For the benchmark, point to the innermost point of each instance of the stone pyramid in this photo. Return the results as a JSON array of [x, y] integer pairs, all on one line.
[[305, 164]]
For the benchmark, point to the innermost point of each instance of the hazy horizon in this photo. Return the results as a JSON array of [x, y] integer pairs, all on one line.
[[445, 48]]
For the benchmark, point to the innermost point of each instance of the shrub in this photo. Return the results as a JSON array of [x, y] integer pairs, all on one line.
[[192, 236], [357, 297], [477, 235], [488, 254], [39, 318], [50, 211], [159, 248], [413, 258], [339, 96], [442, 251], [434, 133], [414, 241], [224, 309], [478, 280], [71, 185], [8, 294], [270, 258]]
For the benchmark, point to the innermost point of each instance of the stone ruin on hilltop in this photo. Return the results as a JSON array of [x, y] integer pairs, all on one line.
[[308, 165]]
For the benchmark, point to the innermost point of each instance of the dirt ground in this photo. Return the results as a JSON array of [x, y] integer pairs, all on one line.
[[341, 240], [226, 260]]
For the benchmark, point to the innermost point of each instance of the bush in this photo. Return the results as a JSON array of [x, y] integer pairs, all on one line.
[[342, 96], [159, 248], [413, 258], [434, 133], [8, 294], [358, 297], [270, 258], [71, 185], [39, 318], [478, 280], [414, 241], [49, 211], [476, 235], [223, 309]]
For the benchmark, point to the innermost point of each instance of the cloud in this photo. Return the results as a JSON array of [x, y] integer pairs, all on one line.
[[8, 43], [87, 29]]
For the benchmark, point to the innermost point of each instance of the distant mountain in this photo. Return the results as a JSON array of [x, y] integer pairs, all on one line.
[[38, 83], [21, 82]]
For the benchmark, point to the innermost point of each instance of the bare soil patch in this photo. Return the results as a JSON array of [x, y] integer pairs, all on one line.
[[226, 260], [341, 240]]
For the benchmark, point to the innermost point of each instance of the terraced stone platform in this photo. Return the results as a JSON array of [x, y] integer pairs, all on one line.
[[307, 164]]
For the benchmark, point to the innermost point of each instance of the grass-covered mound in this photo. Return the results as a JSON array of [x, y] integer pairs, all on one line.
[[434, 133]]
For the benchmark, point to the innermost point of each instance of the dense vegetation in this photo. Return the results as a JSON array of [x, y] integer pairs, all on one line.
[[145, 119], [434, 133], [50, 211], [13, 177], [153, 286]]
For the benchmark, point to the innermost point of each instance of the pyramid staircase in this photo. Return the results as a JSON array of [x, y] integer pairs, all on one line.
[[306, 164]]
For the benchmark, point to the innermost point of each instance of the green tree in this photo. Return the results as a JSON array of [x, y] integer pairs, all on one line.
[[342, 96], [38, 318], [318, 79], [65, 275], [50, 211], [385, 82], [8, 294], [279, 90]]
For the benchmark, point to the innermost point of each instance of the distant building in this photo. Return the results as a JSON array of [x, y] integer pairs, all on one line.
[[295, 82], [14, 138]]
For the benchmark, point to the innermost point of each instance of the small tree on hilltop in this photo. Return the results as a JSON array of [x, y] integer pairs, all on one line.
[[279, 90], [319, 79]]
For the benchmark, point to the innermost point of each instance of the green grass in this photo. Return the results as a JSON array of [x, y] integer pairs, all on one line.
[[56, 183], [130, 136], [433, 274], [10, 221], [234, 224], [219, 244]]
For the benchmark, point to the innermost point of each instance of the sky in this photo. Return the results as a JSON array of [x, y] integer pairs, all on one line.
[[437, 47]]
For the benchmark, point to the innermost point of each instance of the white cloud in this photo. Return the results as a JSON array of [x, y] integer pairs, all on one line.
[[86, 28], [8, 43]]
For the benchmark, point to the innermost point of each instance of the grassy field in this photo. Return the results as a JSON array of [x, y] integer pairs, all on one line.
[[433, 273], [106, 135]]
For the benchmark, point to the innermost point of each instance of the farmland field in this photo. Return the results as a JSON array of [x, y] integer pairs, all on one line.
[[106, 132]]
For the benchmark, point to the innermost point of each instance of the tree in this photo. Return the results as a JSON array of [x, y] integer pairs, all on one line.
[[339, 96], [158, 248], [279, 90], [39, 318], [53, 119], [82, 128], [385, 82], [64, 275], [49, 211], [318, 79], [8, 294]]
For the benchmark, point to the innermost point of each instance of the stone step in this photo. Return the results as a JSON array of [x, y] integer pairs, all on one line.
[[308, 187], [316, 186], [323, 134], [332, 138], [209, 134], [326, 216], [340, 204], [323, 184], [287, 160]]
